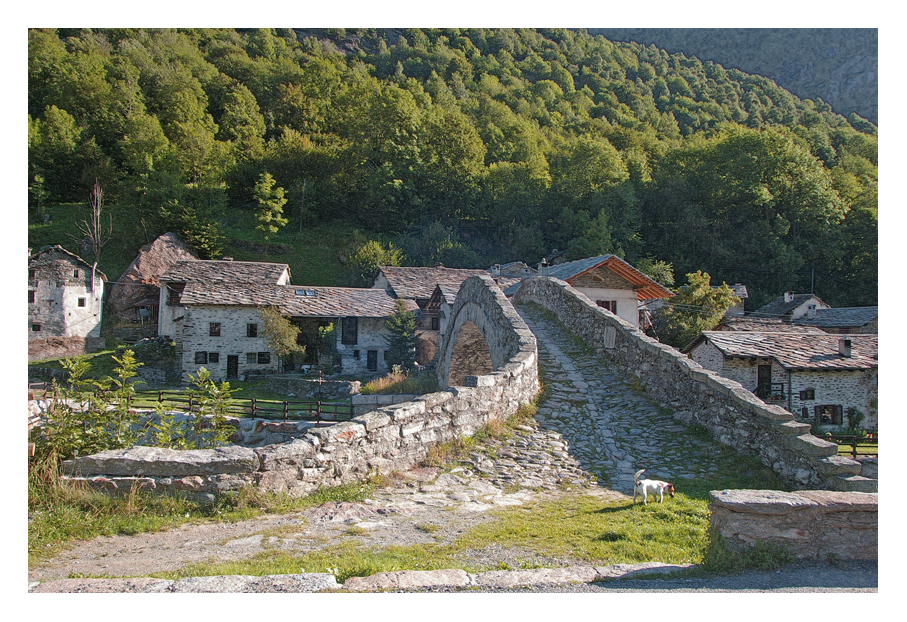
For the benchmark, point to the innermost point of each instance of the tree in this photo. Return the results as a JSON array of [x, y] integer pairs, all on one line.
[[279, 333], [270, 208], [364, 264], [695, 308], [401, 345], [94, 228]]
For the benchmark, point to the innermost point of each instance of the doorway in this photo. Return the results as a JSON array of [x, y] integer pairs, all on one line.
[[232, 366]]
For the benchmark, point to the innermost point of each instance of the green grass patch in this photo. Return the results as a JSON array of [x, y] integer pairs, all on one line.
[[400, 383]]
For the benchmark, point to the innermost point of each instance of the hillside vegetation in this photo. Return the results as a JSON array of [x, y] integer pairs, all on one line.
[[464, 146]]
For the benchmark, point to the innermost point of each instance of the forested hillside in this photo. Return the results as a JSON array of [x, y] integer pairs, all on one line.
[[465, 146]]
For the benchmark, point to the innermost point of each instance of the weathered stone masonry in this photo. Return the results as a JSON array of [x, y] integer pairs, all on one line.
[[732, 414], [391, 438]]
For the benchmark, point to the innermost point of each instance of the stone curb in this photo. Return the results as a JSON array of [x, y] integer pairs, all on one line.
[[398, 580]]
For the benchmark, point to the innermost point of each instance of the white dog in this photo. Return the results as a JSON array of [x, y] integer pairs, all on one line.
[[646, 487]]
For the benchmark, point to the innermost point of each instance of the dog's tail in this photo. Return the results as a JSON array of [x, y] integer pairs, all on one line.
[[638, 473]]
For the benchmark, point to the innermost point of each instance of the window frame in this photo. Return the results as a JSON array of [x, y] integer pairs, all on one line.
[[349, 330], [264, 358], [214, 329], [251, 329], [201, 357]]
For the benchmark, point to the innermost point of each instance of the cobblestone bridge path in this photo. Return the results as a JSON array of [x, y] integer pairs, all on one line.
[[612, 429]]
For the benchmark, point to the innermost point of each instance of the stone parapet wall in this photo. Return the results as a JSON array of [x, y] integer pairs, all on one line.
[[733, 415], [316, 389], [809, 524], [367, 403], [390, 438]]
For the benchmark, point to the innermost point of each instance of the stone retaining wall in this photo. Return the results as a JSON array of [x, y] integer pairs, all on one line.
[[810, 524], [388, 439], [367, 403], [306, 387], [733, 415]]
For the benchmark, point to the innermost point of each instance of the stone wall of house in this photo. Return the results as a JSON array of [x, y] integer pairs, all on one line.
[[372, 334], [390, 438], [809, 524], [194, 337], [732, 414], [67, 303]]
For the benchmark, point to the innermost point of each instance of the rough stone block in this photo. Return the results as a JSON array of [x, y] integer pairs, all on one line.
[[159, 462]]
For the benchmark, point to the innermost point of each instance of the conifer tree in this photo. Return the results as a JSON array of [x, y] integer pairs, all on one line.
[[270, 208]]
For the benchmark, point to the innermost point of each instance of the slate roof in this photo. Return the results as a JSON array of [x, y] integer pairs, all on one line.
[[778, 307], [310, 302], [751, 324], [843, 317], [645, 287], [37, 260], [417, 283], [219, 272], [797, 351]]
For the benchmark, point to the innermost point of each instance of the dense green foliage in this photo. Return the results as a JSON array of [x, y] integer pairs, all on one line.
[[401, 343], [473, 146], [697, 307]]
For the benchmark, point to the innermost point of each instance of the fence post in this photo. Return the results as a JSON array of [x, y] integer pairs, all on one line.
[[854, 445], [253, 407], [286, 410]]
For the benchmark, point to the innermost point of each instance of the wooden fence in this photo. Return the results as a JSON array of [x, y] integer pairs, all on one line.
[[859, 445]]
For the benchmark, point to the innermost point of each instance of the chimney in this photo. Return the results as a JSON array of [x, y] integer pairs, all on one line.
[[543, 267], [527, 272], [811, 312], [844, 347], [788, 296], [227, 259], [496, 270]]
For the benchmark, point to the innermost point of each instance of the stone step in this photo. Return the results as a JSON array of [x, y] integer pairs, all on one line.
[[854, 483]]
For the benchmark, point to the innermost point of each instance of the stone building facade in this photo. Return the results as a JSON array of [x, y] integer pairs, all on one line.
[[812, 375], [65, 300]]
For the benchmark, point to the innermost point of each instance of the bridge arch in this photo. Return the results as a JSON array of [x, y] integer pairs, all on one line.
[[484, 333]]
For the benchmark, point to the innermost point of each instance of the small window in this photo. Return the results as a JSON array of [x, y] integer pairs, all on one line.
[[264, 358], [31, 296], [251, 330], [610, 305], [356, 354], [214, 357], [808, 394], [251, 358], [214, 329], [36, 328], [436, 323], [201, 358], [829, 414], [76, 274], [80, 302]]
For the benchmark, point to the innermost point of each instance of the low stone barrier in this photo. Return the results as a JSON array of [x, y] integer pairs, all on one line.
[[810, 524], [367, 403], [733, 415], [307, 387], [390, 438]]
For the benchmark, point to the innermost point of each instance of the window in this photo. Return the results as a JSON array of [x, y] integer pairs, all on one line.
[[31, 275], [76, 274], [808, 394], [36, 328], [610, 305], [214, 329], [80, 302], [251, 358], [356, 354], [31, 296], [436, 323], [251, 330], [264, 358], [214, 357], [201, 358], [829, 414], [350, 328]]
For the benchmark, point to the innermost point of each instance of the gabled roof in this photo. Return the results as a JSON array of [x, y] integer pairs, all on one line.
[[645, 287], [297, 300], [779, 307], [226, 272], [419, 283], [35, 260], [843, 317], [796, 351]]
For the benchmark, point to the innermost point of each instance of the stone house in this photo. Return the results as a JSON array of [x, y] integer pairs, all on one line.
[[791, 306], [816, 376], [211, 309], [65, 300], [843, 320], [610, 282]]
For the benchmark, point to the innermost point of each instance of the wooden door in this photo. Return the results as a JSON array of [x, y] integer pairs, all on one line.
[[372, 360], [232, 366]]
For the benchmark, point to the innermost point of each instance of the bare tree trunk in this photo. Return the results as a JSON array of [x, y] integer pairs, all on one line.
[[93, 228]]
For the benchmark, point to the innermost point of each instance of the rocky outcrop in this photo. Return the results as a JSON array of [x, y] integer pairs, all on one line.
[[139, 283]]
